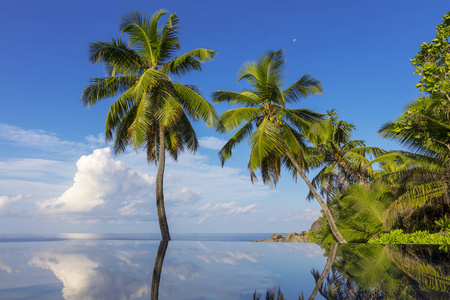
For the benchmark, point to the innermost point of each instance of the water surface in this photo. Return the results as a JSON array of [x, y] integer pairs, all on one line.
[[104, 267]]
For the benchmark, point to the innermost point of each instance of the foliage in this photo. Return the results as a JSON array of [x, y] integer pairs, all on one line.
[[433, 61], [138, 71], [270, 126], [418, 237], [343, 161], [444, 223], [360, 213]]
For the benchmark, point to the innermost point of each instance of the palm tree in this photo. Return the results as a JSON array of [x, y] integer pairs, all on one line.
[[152, 110], [279, 137], [343, 161]]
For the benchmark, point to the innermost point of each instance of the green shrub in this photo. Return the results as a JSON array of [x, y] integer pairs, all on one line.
[[418, 237]]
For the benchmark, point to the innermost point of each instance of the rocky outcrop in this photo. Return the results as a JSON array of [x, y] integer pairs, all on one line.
[[289, 238]]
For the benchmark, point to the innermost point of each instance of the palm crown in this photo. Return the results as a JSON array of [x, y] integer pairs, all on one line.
[[269, 124], [139, 70]]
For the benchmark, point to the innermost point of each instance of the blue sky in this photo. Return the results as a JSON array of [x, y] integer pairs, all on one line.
[[56, 173]]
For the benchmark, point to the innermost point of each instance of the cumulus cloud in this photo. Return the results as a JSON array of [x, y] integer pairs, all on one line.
[[212, 142], [227, 208], [6, 201], [103, 186]]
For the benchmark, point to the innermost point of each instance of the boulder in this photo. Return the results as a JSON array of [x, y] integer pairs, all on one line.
[[316, 225]]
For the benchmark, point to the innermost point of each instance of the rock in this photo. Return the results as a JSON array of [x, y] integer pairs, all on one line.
[[316, 225], [289, 238], [275, 236]]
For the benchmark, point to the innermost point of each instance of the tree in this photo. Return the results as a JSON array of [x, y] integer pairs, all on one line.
[[432, 62], [152, 110], [279, 135], [342, 161]]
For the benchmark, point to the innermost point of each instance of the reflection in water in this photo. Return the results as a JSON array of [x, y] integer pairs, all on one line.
[[363, 271], [156, 278], [220, 270]]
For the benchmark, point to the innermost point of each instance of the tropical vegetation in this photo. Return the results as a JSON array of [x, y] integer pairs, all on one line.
[[276, 134], [152, 111], [366, 193], [408, 191]]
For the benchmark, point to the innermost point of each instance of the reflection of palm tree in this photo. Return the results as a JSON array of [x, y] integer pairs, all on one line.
[[326, 270], [398, 272], [157, 269]]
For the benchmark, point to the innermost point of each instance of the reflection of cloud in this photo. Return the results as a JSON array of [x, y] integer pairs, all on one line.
[[228, 208], [84, 278], [226, 256], [181, 269]]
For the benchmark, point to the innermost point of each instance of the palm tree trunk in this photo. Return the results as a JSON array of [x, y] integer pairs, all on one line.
[[319, 199], [163, 226], [157, 269], [326, 270]]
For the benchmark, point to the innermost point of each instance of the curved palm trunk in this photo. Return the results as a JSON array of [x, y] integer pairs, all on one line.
[[163, 226], [319, 199], [326, 270], [157, 269]]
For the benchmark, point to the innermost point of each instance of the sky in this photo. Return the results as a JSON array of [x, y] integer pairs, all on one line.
[[57, 174]]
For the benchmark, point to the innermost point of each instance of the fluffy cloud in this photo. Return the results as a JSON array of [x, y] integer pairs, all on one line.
[[211, 142], [103, 186]]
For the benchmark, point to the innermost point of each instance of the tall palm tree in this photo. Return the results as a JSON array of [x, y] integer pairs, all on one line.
[[152, 110], [276, 133]]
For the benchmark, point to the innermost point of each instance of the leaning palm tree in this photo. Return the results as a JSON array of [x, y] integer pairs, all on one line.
[[276, 133], [152, 111]]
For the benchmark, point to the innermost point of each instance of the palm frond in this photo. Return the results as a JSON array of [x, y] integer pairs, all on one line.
[[103, 88], [195, 105], [233, 118], [304, 87]]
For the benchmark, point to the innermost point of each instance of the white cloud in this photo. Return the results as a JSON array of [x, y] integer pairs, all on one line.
[[228, 208], [103, 186], [294, 40], [212, 142], [183, 196], [37, 139], [307, 214], [6, 201]]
